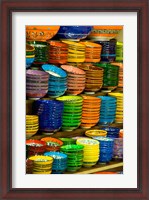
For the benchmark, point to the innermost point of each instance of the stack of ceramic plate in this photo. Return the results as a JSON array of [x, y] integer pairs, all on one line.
[[76, 51], [90, 111], [107, 110], [50, 115], [91, 151], [94, 77], [76, 79], [74, 33], [42, 164], [53, 144], [119, 51], [106, 149], [96, 133], [92, 52], [72, 112], [119, 106], [108, 53], [60, 162], [41, 51], [120, 76], [67, 141], [32, 125], [30, 55], [29, 166], [57, 80], [35, 147], [112, 132], [121, 133], [118, 148], [75, 156], [104, 33], [111, 75], [58, 52], [36, 84]]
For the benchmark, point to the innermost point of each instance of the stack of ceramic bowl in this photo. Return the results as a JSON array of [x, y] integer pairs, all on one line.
[[60, 162], [53, 144], [41, 51], [72, 112], [76, 79], [32, 125], [90, 111], [108, 53], [91, 151], [121, 133], [76, 52], [92, 52], [96, 133], [74, 33], [50, 115], [29, 166], [30, 55], [112, 132], [36, 84], [107, 110], [42, 164], [104, 33], [41, 33], [67, 141], [75, 156], [119, 51], [119, 106], [57, 80], [58, 52], [94, 77], [106, 149], [111, 75], [35, 147], [120, 76], [118, 148]]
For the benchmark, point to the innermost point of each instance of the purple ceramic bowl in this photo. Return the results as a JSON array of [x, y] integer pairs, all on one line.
[[36, 73]]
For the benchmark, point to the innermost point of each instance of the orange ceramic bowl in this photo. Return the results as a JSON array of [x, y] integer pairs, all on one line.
[[41, 33]]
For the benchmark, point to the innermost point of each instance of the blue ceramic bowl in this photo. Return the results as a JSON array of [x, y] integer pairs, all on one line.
[[107, 99], [29, 62], [54, 71], [74, 32]]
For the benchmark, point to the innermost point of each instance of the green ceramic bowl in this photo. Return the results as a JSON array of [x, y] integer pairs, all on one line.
[[67, 141], [72, 148]]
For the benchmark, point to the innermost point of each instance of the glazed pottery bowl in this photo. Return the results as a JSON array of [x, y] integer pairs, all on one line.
[[41, 33], [74, 32]]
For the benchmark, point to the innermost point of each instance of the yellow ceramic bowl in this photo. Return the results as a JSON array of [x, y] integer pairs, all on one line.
[[48, 172], [42, 160], [94, 133]]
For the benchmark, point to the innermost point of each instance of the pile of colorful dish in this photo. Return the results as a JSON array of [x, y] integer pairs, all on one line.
[[50, 115], [107, 110], [32, 125], [106, 149], [57, 84], [30, 55], [71, 118], [75, 156], [60, 162], [91, 151], [90, 111], [76, 79], [36, 84], [94, 77], [42, 164], [118, 148], [58, 52]]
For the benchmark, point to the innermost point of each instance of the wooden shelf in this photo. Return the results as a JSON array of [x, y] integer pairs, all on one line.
[[111, 166], [74, 133]]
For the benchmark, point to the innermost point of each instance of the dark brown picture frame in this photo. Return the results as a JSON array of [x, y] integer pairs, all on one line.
[[142, 9]]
